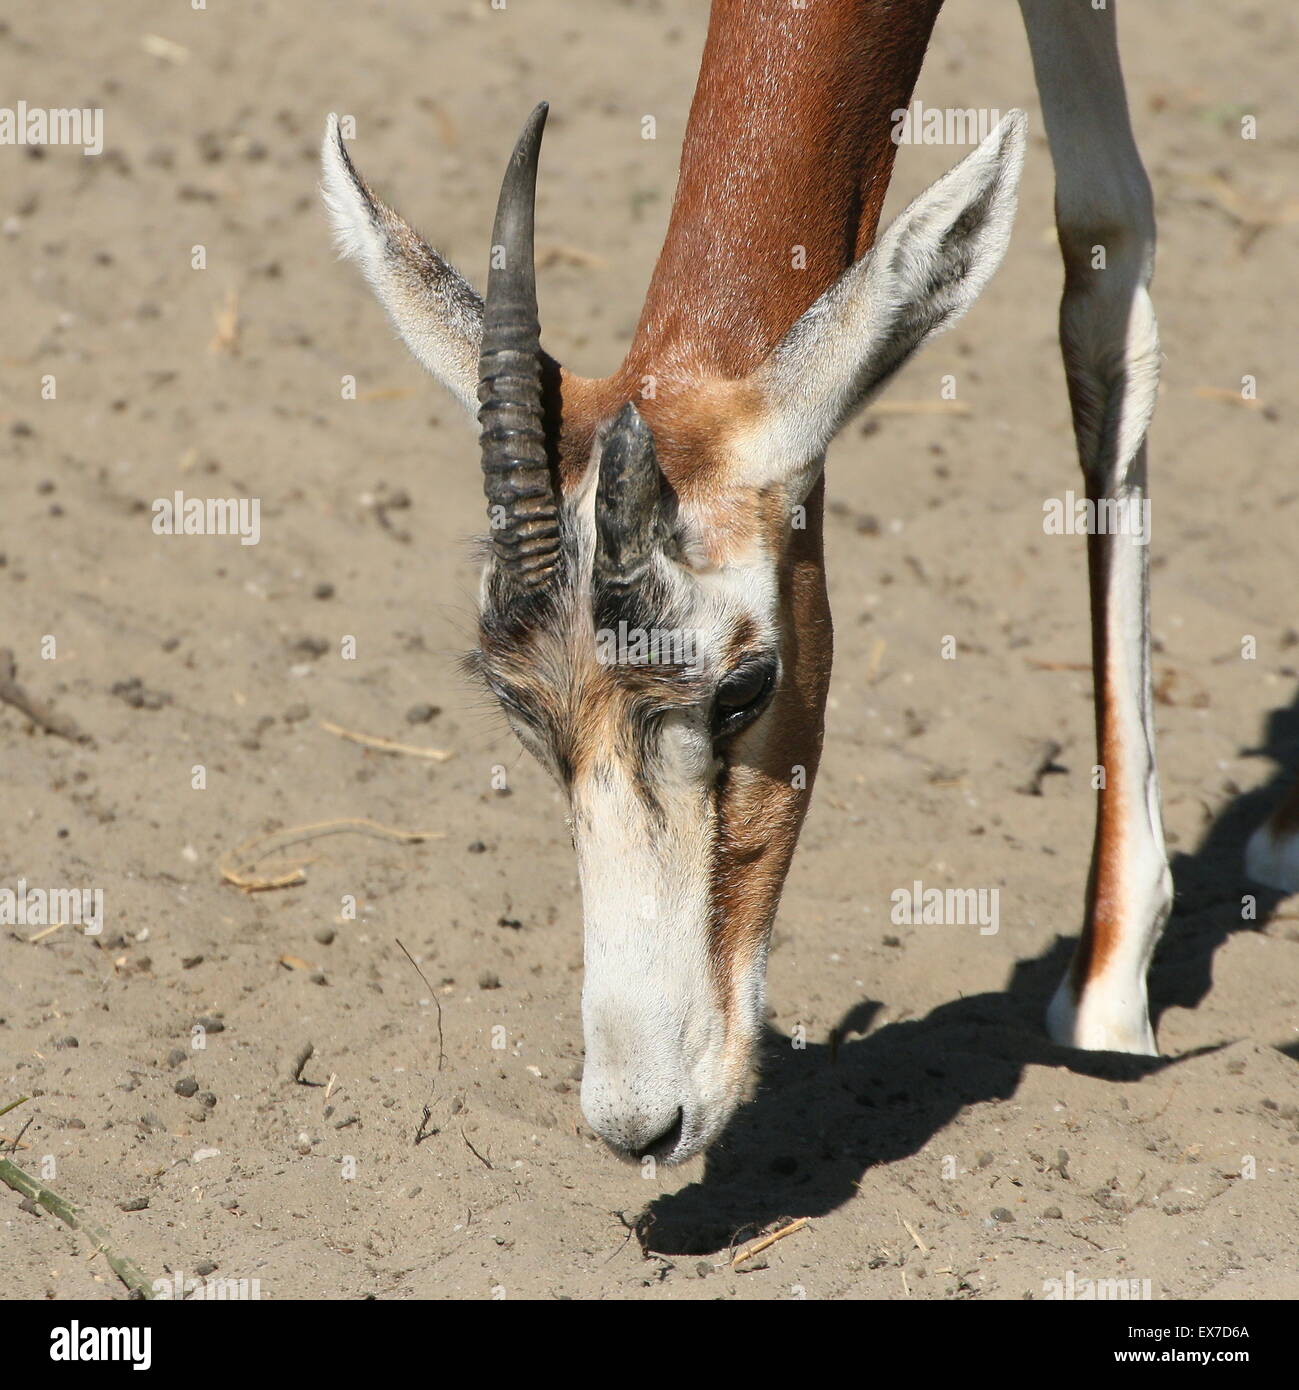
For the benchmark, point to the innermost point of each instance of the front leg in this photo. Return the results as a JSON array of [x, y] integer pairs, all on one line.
[[1101, 1004], [1108, 336]]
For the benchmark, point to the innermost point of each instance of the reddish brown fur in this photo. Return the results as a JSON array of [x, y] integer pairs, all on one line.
[[1102, 921], [788, 145]]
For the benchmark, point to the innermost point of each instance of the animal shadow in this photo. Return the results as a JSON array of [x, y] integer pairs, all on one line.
[[828, 1113]]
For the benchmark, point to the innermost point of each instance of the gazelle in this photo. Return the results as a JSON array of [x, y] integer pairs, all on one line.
[[684, 493]]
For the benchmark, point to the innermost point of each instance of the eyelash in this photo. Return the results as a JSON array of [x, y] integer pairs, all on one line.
[[727, 725]]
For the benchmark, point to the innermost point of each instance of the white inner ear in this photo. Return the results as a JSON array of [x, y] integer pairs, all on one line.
[[437, 312], [921, 276]]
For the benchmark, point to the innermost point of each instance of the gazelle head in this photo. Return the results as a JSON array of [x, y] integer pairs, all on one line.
[[653, 614]]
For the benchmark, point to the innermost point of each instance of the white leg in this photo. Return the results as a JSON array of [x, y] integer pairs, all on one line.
[[1108, 336]]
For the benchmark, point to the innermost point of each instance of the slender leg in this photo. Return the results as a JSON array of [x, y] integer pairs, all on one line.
[[1272, 854], [1108, 336]]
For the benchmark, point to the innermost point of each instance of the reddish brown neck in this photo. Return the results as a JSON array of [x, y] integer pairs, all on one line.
[[788, 146], [785, 164]]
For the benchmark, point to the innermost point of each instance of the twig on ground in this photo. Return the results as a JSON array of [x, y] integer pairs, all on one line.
[[433, 994], [11, 693], [386, 745], [237, 866], [421, 1131], [126, 1270], [768, 1241], [474, 1151], [913, 1233], [1059, 665]]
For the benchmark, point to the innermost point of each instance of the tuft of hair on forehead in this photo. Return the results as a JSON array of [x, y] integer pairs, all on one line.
[[539, 657]]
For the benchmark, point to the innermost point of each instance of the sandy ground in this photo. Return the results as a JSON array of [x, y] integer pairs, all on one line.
[[942, 1103]]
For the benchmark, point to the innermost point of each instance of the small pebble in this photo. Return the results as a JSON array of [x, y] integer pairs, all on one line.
[[325, 935], [176, 1056], [133, 1204], [489, 980], [1001, 1214], [210, 1024], [204, 1269], [68, 1041], [207, 1098], [138, 696], [421, 714], [1052, 1214], [323, 591], [186, 1087]]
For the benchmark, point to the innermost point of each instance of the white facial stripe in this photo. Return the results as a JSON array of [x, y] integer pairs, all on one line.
[[649, 1000], [655, 1025]]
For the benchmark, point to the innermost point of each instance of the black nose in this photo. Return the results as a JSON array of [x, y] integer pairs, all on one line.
[[665, 1142]]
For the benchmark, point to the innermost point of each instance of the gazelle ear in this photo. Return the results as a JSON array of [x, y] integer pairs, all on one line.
[[434, 308], [918, 279]]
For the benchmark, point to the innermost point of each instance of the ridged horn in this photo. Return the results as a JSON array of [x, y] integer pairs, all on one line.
[[628, 510], [521, 503]]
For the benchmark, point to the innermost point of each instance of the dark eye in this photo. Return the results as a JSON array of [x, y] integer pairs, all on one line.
[[742, 694]]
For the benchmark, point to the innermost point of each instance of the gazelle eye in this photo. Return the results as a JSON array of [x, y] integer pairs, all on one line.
[[742, 695]]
